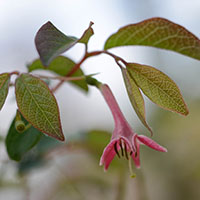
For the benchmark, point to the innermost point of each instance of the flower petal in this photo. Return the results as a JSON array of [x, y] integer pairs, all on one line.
[[112, 104], [150, 143], [108, 154], [136, 154]]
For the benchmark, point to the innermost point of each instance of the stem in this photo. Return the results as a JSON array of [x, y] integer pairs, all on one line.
[[86, 48], [27, 126], [73, 70], [87, 55], [62, 78], [14, 72], [112, 104], [116, 58], [133, 175]]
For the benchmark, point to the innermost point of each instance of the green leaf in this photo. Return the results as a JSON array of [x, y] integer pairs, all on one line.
[[158, 87], [36, 157], [157, 32], [38, 105], [18, 144], [61, 66], [47, 144], [96, 140], [4, 86], [87, 34], [135, 97], [50, 42]]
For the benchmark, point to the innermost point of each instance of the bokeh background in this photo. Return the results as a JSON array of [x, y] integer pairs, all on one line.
[[71, 171]]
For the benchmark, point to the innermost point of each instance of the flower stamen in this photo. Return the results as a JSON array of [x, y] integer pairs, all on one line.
[[124, 141], [136, 154], [133, 175], [120, 143], [126, 154], [115, 147]]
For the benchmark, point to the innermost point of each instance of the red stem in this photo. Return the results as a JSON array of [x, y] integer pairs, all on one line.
[[73, 70], [14, 72], [87, 55]]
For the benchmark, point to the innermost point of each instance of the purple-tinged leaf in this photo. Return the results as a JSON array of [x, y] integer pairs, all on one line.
[[61, 66], [135, 97], [38, 105], [157, 32], [158, 87], [50, 42], [4, 86]]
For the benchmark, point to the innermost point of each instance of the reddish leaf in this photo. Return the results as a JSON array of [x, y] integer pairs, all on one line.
[[135, 97], [50, 42], [157, 32], [87, 34], [158, 87], [38, 105], [4, 86]]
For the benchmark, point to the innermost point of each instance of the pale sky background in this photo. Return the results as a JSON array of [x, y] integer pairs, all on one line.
[[21, 19]]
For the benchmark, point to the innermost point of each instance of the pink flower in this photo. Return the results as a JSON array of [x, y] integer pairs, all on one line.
[[123, 136]]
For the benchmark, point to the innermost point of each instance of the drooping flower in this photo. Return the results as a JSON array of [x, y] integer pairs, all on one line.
[[123, 137]]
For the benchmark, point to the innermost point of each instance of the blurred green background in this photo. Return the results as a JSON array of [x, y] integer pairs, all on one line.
[[53, 170]]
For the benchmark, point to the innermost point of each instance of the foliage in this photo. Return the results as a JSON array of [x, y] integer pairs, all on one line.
[[37, 105], [18, 144]]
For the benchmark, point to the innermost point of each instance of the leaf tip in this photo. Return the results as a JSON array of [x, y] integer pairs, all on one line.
[[91, 23], [49, 22], [150, 130], [61, 138], [186, 111]]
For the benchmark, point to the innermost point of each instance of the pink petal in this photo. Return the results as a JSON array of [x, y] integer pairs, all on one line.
[[136, 155], [109, 160], [136, 160], [108, 155], [150, 143], [112, 103]]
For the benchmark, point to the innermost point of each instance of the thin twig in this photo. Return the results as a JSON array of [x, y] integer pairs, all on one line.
[[87, 55], [14, 72], [63, 78], [73, 70]]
